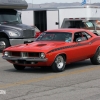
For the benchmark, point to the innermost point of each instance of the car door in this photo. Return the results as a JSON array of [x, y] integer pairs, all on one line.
[[81, 49]]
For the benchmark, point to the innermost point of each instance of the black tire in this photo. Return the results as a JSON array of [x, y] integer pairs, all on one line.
[[18, 67], [4, 42], [96, 58], [59, 65]]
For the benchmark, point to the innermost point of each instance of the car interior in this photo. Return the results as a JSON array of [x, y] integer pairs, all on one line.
[[80, 35]]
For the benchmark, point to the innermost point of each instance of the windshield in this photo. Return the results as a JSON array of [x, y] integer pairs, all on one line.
[[9, 16], [55, 36], [92, 24]]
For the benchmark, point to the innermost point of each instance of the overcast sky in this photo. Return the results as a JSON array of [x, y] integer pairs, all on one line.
[[62, 1]]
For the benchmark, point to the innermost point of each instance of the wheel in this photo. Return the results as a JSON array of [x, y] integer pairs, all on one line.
[[18, 67], [4, 43], [59, 64], [96, 58]]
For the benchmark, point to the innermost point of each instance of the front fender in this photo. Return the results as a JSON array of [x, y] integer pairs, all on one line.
[[52, 56], [4, 34]]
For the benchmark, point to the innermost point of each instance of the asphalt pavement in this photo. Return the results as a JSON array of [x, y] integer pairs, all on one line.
[[80, 81]]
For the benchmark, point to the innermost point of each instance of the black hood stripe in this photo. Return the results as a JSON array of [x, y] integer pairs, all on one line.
[[76, 45]]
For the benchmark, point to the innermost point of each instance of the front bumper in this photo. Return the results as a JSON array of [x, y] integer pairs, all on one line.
[[19, 41], [25, 59]]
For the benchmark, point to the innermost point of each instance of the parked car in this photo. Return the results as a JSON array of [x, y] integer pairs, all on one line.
[[55, 48]]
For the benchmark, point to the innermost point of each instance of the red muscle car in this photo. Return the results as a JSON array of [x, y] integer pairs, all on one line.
[[55, 48]]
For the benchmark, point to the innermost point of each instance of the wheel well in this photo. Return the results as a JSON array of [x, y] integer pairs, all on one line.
[[3, 35], [97, 48], [64, 55]]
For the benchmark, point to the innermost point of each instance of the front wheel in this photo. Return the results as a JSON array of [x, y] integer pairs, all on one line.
[[4, 43], [59, 64], [96, 58], [18, 67]]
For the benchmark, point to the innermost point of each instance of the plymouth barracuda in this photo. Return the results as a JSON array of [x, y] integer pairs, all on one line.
[[55, 49]]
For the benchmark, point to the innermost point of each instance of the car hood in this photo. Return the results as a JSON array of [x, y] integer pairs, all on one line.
[[39, 46]]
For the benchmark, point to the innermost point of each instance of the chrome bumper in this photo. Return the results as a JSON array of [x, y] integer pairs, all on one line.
[[25, 59]]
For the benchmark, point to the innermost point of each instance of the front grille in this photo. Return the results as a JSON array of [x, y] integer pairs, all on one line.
[[15, 54], [33, 54], [28, 33], [24, 54]]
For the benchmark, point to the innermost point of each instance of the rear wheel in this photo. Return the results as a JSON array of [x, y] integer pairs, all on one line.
[[4, 43], [59, 64], [18, 67], [96, 58]]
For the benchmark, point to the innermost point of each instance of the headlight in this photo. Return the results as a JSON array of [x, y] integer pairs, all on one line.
[[42, 55], [14, 33], [6, 53]]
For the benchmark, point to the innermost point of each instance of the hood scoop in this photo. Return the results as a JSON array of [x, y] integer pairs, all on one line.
[[41, 44]]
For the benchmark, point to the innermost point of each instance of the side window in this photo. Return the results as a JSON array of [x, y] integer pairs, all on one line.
[[65, 24], [79, 37], [86, 35], [89, 24]]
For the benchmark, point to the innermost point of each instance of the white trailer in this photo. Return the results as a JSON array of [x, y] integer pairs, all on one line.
[[73, 17], [44, 19]]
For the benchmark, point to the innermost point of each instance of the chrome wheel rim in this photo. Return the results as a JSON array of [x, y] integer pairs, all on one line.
[[2, 45], [59, 62]]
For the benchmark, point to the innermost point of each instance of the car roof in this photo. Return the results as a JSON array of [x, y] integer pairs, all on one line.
[[71, 30]]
